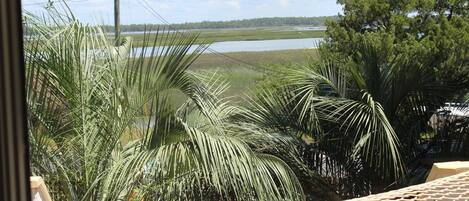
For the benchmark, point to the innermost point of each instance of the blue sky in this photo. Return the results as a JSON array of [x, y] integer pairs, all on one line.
[[177, 11]]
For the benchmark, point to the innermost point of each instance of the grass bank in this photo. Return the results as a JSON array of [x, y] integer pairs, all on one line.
[[220, 35], [243, 78]]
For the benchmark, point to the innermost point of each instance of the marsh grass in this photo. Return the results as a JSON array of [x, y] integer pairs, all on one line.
[[220, 35]]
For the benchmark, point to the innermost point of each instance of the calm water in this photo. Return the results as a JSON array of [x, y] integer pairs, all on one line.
[[254, 46]]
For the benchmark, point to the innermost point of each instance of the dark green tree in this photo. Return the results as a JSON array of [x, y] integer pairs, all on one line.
[[435, 30], [232, 24], [386, 68], [411, 56]]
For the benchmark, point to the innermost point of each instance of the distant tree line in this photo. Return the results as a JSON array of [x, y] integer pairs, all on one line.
[[245, 23]]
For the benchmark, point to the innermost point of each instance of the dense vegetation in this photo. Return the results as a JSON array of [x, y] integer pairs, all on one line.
[[246, 23], [86, 133], [358, 118], [414, 57], [410, 58]]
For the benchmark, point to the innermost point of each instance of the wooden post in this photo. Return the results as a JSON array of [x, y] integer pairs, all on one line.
[[117, 22]]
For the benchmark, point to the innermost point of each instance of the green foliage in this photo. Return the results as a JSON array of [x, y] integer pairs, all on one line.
[[85, 96], [386, 67], [351, 131], [246, 23], [435, 33], [409, 56]]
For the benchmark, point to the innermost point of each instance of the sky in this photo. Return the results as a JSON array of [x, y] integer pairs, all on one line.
[[179, 11]]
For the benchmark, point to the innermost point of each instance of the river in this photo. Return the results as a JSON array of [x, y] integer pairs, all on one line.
[[254, 46]]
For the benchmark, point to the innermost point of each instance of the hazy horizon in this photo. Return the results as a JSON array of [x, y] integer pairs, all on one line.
[[188, 11]]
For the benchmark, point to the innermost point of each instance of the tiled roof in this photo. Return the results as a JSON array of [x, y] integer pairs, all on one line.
[[453, 188]]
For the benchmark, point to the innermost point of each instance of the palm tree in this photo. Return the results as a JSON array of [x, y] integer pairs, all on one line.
[[90, 139], [352, 109], [361, 112]]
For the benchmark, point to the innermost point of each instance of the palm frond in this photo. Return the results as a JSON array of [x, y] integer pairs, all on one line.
[[85, 96]]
